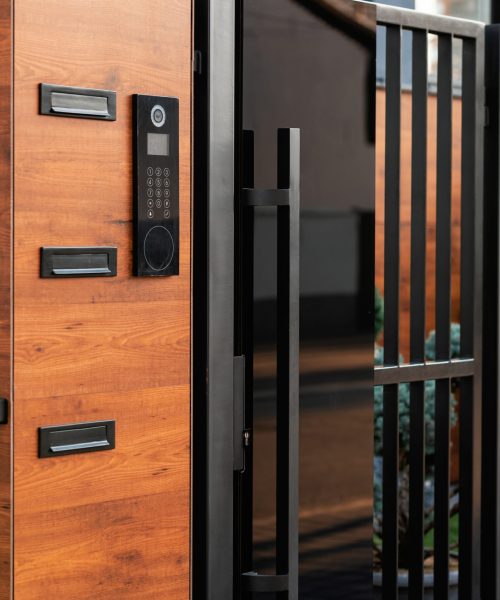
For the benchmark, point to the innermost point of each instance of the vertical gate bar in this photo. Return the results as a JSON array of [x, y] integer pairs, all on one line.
[[416, 501], [476, 453], [391, 313], [443, 309], [490, 535], [287, 505], [418, 196], [442, 490], [466, 537], [390, 493], [467, 247], [470, 400], [417, 311], [443, 197], [392, 195]]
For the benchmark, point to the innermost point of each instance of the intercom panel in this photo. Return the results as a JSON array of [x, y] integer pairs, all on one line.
[[156, 185]]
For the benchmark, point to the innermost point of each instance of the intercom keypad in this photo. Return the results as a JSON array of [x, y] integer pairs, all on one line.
[[158, 192], [156, 185]]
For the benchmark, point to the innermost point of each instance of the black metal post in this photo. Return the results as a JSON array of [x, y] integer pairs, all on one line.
[[215, 188], [490, 546], [417, 310], [391, 312], [471, 327], [287, 488], [495, 12]]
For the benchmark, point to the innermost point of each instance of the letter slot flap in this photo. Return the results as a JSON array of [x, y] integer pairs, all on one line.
[[78, 262], [75, 438], [84, 103]]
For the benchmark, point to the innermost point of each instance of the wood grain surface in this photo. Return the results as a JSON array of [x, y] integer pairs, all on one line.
[[116, 524], [5, 291]]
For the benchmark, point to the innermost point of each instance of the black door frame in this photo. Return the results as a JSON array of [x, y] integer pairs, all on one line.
[[213, 283], [490, 505]]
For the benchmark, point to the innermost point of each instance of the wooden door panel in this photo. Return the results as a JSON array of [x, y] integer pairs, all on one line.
[[117, 347], [5, 290], [68, 185], [151, 454], [112, 524], [105, 550]]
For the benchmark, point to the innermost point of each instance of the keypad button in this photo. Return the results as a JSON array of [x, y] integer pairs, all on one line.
[[150, 171], [158, 172], [158, 193], [166, 214], [150, 192], [151, 214], [150, 203], [149, 181], [158, 182], [158, 204], [167, 203], [166, 182], [166, 172], [166, 193]]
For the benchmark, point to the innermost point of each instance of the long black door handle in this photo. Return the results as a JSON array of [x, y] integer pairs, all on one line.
[[286, 198]]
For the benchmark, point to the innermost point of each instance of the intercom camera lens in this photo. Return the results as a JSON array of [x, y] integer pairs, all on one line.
[[158, 115]]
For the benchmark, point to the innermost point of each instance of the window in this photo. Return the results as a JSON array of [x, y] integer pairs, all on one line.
[[478, 10]]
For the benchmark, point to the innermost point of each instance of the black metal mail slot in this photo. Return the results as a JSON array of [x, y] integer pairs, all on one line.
[[4, 411], [76, 438], [78, 262], [85, 103]]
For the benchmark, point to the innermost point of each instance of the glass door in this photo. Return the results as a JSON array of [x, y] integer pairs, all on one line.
[[308, 65]]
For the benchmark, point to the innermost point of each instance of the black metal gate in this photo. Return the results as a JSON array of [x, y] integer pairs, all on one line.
[[464, 368], [219, 423]]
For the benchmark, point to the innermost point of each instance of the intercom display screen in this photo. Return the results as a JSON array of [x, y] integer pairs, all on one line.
[[158, 144]]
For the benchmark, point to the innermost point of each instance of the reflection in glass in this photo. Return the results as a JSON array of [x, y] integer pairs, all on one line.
[[312, 67]]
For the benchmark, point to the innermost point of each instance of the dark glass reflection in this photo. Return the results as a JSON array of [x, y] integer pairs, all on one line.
[[309, 66]]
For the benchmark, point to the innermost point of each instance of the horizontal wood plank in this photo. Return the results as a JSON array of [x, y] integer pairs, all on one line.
[[105, 550]]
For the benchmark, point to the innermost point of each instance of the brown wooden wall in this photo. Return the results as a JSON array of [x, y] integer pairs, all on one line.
[[112, 524], [406, 211], [5, 290]]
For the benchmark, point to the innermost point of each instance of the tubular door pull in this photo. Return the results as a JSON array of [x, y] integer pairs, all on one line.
[[286, 198]]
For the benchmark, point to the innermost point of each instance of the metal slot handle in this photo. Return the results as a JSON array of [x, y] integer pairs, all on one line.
[[286, 198], [78, 262], [79, 104], [64, 101], [76, 438], [4, 411]]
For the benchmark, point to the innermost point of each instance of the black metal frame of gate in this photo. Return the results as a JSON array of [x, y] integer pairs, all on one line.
[[490, 502], [217, 180], [468, 367]]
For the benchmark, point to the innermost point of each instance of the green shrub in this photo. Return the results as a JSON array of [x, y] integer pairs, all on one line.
[[430, 343], [404, 446]]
